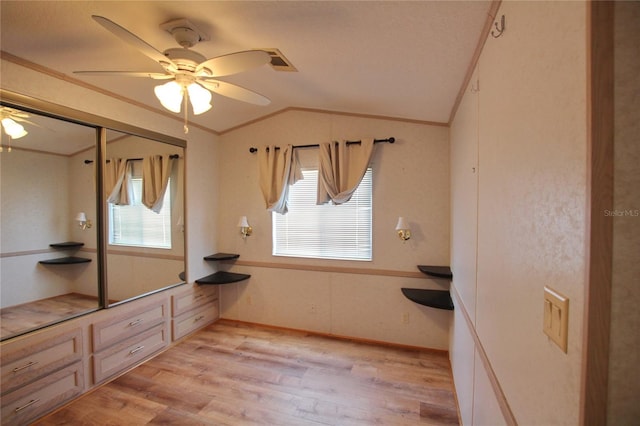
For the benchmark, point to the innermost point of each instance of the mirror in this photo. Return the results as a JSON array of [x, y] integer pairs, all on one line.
[[145, 249], [50, 262], [43, 186]]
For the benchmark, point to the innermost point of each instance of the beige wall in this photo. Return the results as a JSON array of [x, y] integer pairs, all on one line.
[[624, 361], [529, 133], [410, 178]]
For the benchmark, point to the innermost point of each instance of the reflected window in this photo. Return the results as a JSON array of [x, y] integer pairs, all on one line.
[[137, 226]]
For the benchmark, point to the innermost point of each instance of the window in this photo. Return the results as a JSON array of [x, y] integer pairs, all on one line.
[[136, 225], [325, 231]]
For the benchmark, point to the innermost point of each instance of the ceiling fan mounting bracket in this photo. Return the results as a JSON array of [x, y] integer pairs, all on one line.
[[184, 32]]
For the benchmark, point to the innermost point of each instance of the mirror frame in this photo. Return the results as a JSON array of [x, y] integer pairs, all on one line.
[[101, 125]]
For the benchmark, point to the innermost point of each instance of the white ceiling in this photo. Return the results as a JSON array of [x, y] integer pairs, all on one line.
[[403, 59]]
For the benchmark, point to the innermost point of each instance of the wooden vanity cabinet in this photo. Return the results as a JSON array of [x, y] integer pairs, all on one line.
[[48, 368], [125, 339], [39, 373], [193, 309]]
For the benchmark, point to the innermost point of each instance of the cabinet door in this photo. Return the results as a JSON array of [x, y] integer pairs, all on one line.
[[27, 360], [38, 398]]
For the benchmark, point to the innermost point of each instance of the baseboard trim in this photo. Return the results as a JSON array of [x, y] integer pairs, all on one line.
[[232, 322]]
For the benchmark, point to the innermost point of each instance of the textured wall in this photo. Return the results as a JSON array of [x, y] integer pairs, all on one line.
[[410, 178], [532, 146]]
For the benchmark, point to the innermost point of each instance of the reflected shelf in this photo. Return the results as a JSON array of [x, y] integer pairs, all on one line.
[[69, 260]]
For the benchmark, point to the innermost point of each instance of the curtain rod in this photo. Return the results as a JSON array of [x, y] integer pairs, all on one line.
[[133, 159], [390, 140]]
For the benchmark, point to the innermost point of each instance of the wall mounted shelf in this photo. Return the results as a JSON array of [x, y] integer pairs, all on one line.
[[436, 271], [439, 299], [221, 256], [222, 277], [67, 245], [69, 260]]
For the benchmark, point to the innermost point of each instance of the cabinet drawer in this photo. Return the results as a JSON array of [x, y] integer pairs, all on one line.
[[128, 353], [127, 324], [185, 324], [38, 398], [193, 298], [21, 365]]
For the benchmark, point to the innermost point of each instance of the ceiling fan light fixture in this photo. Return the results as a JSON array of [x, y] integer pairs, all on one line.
[[170, 95], [13, 129], [200, 98]]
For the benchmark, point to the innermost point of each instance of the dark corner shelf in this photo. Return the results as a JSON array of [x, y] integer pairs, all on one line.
[[67, 245], [436, 271], [222, 256], [69, 260], [222, 277], [440, 299]]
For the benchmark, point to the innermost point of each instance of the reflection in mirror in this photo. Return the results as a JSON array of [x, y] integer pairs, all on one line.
[[144, 189], [48, 263]]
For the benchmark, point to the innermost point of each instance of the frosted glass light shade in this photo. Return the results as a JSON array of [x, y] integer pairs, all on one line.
[[81, 217], [13, 129], [402, 224], [169, 95], [200, 98], [242, 222]]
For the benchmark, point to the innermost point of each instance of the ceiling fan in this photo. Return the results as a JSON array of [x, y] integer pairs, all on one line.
[[192, 76]]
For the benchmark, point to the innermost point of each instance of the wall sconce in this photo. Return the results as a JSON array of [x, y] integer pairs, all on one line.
[[82, 220], [403, 229], [245, 229]]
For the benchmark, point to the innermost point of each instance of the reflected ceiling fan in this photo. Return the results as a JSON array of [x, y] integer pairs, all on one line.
[[192, 76], [11, 119]]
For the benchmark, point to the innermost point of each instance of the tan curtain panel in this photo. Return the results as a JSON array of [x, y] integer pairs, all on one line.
[[117, 182], [156, 171], [278, 169], [341, 168]]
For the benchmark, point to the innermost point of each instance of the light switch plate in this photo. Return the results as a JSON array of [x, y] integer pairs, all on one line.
[[556, 317]]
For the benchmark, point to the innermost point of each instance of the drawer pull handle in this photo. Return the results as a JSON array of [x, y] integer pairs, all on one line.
[[27, 405], [27, 365], [201, 317], [138, 349], [199, 296], [136, 322]]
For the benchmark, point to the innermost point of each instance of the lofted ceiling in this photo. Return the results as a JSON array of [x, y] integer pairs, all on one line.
[[400, 59]]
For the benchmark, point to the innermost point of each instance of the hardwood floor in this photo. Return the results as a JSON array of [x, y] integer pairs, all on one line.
[[239, 374], [20, 318]]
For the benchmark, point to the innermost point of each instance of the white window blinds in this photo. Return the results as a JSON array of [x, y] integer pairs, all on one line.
[[324, 231], [136, 225]]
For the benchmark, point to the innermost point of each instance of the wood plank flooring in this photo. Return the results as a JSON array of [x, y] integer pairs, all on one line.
[[239, 374], [20, 318]]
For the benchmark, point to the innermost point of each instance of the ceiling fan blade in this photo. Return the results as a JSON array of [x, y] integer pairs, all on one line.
[[233, 63], [135, 41], [235, 92], [154, 75]]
